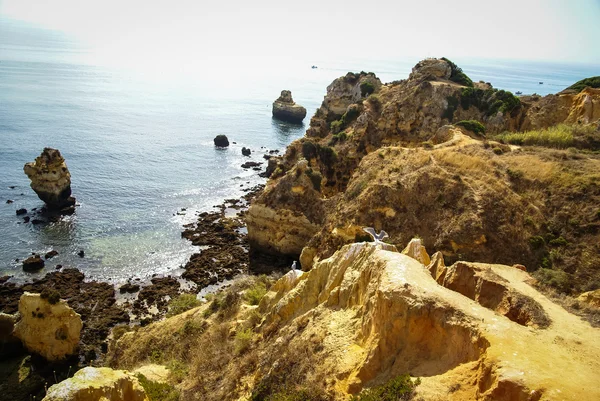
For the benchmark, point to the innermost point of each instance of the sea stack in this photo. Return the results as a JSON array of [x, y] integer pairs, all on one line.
[[51, 181], [284, 108]]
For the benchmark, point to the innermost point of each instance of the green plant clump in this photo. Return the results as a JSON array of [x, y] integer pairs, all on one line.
[[375, 102], [182, 303], [473, 126], [452, 106], [243, 340], [399, 388], [315, 178], [366, 88], [336, 126], [592, 82], [457, 75], [254, 294], [51, 295], [489, 101], [309, 150], [158, 391], [560, 137]]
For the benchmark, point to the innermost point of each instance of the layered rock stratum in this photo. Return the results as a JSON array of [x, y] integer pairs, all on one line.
[[51, 180], [284, 108]]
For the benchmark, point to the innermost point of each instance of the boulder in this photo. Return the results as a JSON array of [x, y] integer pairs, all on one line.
[[51, 254], [246, 151], [95, 384], [51, 180], [21, 211], [221, 141], [591, 298], [33, 263], [51, 330], [284, 108], [431, 69], [7, 325]]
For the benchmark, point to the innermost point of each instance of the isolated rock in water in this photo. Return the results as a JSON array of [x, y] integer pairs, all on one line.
[[246, 151], [49, 330], [21, 212], [284, 108], [98, 384], [221, 141], [51, 180], [51, 254], [33, 263]]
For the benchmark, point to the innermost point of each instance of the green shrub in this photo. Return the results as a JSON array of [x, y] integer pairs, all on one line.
[[51, 295], [243, 340], [592, 82], [182, 303], [536, 242], [457, 75], [560, 241], [351, 113], [158, 391], [327, 155], [399, 388], [427, 144], [514, 174], [254, 294], [351, 77], [489, 101], [341, 137], [558, 279], [497, 151], [315, 178], [336, 126], [366, 88], [309, 150], [473, 126]]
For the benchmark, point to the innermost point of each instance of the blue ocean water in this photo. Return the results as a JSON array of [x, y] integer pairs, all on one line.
[[139, 145]]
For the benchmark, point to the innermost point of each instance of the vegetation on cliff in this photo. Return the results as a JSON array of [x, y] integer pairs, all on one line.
[[457, 75], [592, 82]]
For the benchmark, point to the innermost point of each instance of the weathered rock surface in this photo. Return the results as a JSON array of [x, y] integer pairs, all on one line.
[[49, 330], [284, 108], [33, 263], [51, 180], [97, 384], [591, 298], [375, 311], [431, 69]]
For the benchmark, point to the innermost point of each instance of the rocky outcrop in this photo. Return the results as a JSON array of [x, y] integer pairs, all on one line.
[[221, 141], [288, 216], [51, 180], [51, 330], [284, 108], [374, 312], [431, 68], [33, 263], [97, 384], [590, 298]]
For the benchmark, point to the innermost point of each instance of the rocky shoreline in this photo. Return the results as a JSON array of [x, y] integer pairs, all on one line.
[[224, 253]]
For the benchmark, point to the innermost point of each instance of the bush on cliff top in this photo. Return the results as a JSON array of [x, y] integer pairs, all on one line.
[[489, 101], [366, 88], [592, 82], [457, 75], [473, 126]]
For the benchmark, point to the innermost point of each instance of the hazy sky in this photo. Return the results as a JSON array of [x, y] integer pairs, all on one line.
[[131, 32]]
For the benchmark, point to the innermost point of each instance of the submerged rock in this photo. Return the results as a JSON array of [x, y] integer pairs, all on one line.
[[284, 108], [98, 384], [51, 180], [221, 141], [51, 330]]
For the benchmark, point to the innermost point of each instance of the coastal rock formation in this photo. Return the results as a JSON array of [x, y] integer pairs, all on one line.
[[368, 314], [394, 161], [33, 263], [296, 218], [97, 384], [51, 330], [284, 108], [51, 180], [221, 141]]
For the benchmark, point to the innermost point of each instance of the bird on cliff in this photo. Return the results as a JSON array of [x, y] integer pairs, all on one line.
[[378, 238], [293, 270]]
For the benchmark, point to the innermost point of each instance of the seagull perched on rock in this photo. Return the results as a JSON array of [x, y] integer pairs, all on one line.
[[378, 238], [293, 270]]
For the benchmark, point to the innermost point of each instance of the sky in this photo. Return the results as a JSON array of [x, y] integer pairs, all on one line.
[[157, 32]]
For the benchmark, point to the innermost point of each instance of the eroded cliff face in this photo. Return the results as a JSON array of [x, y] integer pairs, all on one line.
[[369, 313], [51, 180], [390, 160]]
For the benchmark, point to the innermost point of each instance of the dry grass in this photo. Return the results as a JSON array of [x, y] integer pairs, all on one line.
[[561, 136]]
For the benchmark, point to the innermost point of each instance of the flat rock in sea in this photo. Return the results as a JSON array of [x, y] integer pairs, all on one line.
[[284, 108]]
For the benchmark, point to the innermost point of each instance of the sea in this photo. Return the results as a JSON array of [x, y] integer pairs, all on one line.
[[139, 144]]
